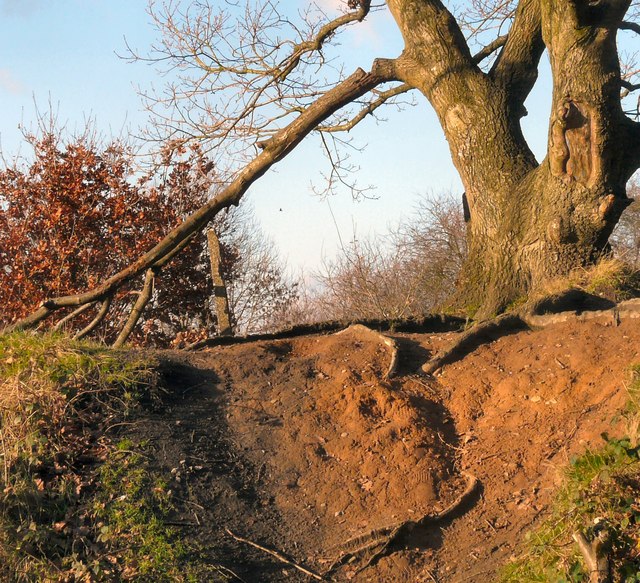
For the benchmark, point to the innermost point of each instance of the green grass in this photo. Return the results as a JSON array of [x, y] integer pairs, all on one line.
[[77, 503], [600, 487]]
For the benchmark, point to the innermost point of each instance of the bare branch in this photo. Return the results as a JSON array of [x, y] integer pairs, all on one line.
[[629, 86], [138, 307], [382, 98], [486, 16], [488, 50], [240, 72], [60, 323], [104, 309], [632, 26]]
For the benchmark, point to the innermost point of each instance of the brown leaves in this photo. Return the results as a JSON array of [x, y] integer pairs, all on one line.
[[77, 213]]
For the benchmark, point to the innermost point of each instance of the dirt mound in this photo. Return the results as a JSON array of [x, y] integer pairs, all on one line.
[[306, 447]]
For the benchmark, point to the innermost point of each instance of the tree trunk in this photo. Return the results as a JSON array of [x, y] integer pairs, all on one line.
[[219, 286], [527, 223]]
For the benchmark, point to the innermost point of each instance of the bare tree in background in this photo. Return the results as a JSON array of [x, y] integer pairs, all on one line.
[[259, 289], [409, 273], [626, 237]]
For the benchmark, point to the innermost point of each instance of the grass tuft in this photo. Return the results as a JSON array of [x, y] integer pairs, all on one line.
[[599, 488], [609, 278]]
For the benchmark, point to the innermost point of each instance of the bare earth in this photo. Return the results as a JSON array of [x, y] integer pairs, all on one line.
[[305, 448]]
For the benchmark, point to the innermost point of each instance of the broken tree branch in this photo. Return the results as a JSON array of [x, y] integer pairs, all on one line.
[[493, 46], [596, 554], [104, 309], [138, 307], [81, 310]]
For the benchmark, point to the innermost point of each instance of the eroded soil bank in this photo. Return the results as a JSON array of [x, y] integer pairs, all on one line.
[[304, 446]]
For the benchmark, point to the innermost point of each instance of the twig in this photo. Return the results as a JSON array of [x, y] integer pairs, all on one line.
[[493, 528], [4, 459], [275, 554], [227, 571]]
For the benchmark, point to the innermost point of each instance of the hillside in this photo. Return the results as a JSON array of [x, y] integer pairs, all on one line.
[[325, 456], [305, 447]]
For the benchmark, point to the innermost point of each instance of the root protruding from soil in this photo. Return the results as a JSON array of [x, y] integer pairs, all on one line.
[[385, 537], [490, 330], [479, 334]]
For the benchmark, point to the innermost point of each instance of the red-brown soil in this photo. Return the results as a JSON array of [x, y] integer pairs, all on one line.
[[303, 446]]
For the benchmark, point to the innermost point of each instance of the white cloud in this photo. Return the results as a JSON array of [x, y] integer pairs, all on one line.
[[9, 83]]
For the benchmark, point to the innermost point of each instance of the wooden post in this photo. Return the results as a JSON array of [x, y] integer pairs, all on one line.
[[219, 287]]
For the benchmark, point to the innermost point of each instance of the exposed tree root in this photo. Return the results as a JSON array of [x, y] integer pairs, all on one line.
[[490, 330], [429, 323], [479, 334], [383, 538], [378, 337]]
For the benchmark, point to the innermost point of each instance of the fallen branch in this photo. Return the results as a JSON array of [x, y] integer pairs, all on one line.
[[277, 148], [276, 554], [60, 323], [386, 536], [104, 309], [136, 311]]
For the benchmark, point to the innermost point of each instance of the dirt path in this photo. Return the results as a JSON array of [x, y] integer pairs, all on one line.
[[305, 447]]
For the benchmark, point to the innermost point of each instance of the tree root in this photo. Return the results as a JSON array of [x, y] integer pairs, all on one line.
[[386, 536], [378, 337], [490, 330], [479, 334], [426, 324]]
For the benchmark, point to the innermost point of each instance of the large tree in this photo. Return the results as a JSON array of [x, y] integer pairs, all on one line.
[[253, 77]]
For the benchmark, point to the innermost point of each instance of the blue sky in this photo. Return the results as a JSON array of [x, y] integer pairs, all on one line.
[[64, 51]]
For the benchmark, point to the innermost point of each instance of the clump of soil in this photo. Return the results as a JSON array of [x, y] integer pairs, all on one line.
[[304, 446]]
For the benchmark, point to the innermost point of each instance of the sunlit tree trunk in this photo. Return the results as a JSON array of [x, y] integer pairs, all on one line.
[[528, 223]]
